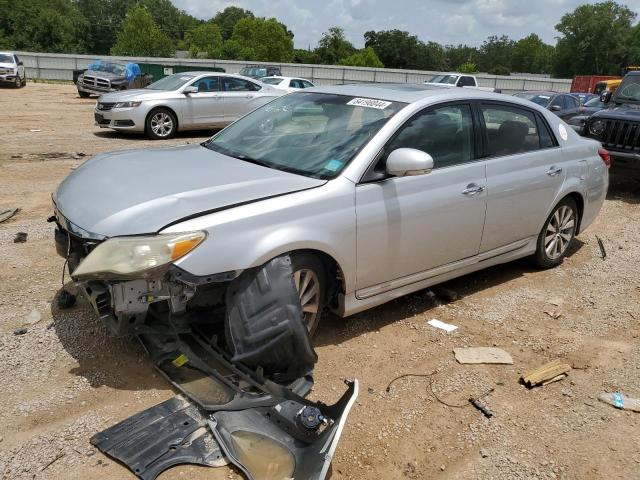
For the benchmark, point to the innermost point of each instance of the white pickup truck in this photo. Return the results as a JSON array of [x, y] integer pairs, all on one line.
[[458, 80]]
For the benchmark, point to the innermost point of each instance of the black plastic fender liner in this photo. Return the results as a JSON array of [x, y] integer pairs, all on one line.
[[264, 324], [171, 433], [271, 443]]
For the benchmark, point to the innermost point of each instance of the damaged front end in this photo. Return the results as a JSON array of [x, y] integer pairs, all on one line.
[[234, 344]]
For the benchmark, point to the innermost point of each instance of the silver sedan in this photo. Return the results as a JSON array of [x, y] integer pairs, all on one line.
[[183, 101], [374, 191]]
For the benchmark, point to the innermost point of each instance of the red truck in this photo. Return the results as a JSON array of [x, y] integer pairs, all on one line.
[[587, 83]]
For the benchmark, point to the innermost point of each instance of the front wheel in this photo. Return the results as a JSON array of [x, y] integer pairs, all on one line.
[[557, 234], [309, 277], [161, 124], [18, 82], [83, 94]]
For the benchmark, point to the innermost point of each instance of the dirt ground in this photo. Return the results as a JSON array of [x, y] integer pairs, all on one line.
[[65, 379]]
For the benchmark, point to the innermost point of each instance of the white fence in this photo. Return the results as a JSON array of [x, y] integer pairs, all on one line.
[[60, 67]]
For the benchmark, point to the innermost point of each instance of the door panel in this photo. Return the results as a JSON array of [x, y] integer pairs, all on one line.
[[239, 98], [205, 108], [522, 180], [412, 224]]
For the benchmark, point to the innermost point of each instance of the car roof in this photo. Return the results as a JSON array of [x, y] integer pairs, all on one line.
[[404, 92], [539, 92], [196, 73]]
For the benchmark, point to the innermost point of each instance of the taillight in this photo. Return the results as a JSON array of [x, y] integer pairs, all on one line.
[[605, 156]]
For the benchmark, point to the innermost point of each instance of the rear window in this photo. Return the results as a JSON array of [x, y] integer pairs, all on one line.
[[271, 80]]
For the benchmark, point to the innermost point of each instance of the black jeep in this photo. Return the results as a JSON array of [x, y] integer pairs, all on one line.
[[618, 125]]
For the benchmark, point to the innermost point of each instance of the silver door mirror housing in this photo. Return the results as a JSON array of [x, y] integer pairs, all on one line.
[[404, 162], [190, 89], [556, 108]]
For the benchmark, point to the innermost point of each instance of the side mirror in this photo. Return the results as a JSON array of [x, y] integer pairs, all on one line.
[[20, 63], [189, 90], [404, 162], [606, 96], [556, 108]]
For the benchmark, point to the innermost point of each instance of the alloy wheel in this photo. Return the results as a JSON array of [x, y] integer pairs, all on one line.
[[18, 82], [308, 286], [559, 233], [162, 124]]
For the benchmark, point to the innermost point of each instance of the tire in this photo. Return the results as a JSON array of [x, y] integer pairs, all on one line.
[[557, 234], [309, 273], [24, 82], [161, 124], [83, 94], [18, 82]]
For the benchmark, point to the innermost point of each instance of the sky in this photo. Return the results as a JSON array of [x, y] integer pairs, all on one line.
[[443, 21]]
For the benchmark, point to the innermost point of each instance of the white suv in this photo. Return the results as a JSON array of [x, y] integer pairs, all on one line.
[[12, 69]]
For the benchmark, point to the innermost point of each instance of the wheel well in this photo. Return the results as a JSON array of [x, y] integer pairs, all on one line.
[[335, 276], [580, 204], [164, 108]]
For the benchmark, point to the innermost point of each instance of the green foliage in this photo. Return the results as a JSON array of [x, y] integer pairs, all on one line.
[[305, 56], [400, 49], [596, 39], [499, 70], [333, 46], [468, 67], [5, 42], [495, 52], [267, 39], [141, 36], [532, 55], [362, 58], [204, 38], [460, 54], [227, 19]]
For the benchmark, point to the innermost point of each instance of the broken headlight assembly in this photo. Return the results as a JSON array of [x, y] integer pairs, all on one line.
[[139, 256]]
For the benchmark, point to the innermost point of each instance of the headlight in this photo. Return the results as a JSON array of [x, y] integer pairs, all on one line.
[[597, 127], [127, 104], [123, 256]]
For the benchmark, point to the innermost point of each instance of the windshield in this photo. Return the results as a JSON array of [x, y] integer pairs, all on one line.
[[253, 72], [541, 99], [6, 58], [271, 80], [172, 82], [594, 102], [114, 68], [447, 79], [629, 89], [311, 134]]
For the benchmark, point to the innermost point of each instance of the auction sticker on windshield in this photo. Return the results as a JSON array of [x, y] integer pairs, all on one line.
[[369, 103]]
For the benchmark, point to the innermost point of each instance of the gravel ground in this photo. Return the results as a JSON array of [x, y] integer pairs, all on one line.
[[65, 379]]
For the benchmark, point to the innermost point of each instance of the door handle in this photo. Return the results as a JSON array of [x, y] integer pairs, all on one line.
[[473, 189], [553, 171], [249, 96]]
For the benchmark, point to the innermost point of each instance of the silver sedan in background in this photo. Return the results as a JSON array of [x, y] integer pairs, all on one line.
[[183, 101]]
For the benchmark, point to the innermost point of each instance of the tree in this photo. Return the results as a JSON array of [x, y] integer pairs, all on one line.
[[594, 39], [362, 58], [333, 46], [266, 38], [495, 53], [205, 38], [141, 36], [456, 55], [467, 68], [227, 19], [304, 56], [395, 48], [532, 55], [432, 57]]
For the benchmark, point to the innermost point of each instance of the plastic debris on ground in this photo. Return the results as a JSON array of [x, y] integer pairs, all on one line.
[[7, 214], [441, 325], [620, 401]]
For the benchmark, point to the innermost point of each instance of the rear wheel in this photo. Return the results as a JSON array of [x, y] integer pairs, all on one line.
[[557, 234], [309, 276], [161, 124]]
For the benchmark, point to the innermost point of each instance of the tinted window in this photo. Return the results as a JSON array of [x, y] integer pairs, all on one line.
[[445, 133], [232, 84], [306, 84], [572, 102], [467, 82], [558, 101], [510, 130], [207, 84], [271, 80]]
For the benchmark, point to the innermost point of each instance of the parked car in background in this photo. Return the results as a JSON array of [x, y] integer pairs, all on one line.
[[563, 105], [458, 80], [12, 70], [290, 84], [183, 101], [584, 97], [617, 125], [579, 120], [259, 71], [102, 77], [348, 181]]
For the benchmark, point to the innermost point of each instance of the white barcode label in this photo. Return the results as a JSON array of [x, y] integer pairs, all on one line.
[[369, 103]]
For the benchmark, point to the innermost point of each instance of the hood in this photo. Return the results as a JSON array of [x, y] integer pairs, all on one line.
[[142, 191], [102, 74], [135, 94], [8, 65], [624, 111]]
